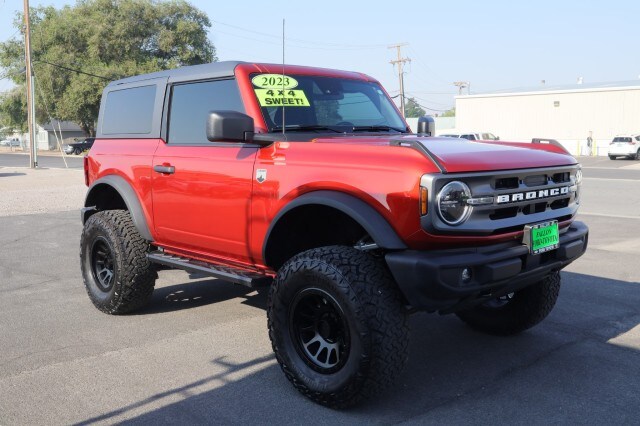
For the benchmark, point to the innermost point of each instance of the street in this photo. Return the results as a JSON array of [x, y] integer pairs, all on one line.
[[49, 160], [200, 353]]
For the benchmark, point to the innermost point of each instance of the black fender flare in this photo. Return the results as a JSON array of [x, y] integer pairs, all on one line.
[[366, 216], [122, 187]]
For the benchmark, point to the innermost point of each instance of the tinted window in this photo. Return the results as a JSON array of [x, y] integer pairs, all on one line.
[[469, 137], [190, 106], [129, 111], [328, 101], [622, 139]]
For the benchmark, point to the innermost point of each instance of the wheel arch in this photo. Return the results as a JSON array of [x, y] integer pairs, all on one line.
[[114, 192], [345, 206]]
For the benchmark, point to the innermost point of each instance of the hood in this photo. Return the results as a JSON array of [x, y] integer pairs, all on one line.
[[460, 155]]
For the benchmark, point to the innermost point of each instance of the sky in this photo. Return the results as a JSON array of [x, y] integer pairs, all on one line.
[[494, 45]]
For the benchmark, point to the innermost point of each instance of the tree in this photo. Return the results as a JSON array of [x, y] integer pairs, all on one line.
[[13, 109], [449, 113], [413, 109], [76, 50]]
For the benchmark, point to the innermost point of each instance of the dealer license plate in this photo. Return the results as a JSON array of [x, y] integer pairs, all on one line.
[[542, 237]]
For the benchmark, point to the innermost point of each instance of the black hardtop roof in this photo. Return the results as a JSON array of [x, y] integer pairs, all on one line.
[[193, 72], [210, 71]]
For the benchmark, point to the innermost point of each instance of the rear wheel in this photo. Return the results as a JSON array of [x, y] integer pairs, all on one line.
[[612, 157], [77, 151], [337, 325], [516, 311], [637, 156], [117, 274]]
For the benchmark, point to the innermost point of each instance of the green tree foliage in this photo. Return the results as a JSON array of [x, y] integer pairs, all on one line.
[[413, 109], [13, 109], [107, 40], [449, 113]]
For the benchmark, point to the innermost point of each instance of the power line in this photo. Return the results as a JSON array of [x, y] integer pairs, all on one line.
[[75, 70], [317, 43]]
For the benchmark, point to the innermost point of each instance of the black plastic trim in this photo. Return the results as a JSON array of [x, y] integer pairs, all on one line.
[[365, 215], [130, 199], [431, 280]]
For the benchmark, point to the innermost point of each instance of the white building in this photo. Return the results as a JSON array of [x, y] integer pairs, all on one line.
[[564, 113]]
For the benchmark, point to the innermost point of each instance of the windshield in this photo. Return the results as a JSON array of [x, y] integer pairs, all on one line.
[[621, 139], [331, 104]]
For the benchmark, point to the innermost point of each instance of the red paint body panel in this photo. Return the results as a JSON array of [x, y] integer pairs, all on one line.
[[205, 205], [385, 177], [129, 159]]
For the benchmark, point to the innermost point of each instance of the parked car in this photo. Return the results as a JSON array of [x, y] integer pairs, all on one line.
[[10, 142], [79, 147], [625, 145], [473, 136]]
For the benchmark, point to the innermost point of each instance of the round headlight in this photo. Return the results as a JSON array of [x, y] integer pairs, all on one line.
[[452, 203]]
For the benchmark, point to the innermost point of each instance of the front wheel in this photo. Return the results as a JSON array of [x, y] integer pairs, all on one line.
[[612, 157], [516, 311], [337, 325], [113, 256]]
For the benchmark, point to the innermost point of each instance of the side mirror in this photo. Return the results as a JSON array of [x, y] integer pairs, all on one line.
[[229, 126], [426, 126]]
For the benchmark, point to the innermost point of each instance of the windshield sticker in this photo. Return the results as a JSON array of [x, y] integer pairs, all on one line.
[[289, 98], [274, 81]]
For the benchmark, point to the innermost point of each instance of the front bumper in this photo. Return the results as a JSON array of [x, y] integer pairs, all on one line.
[[432, 280]]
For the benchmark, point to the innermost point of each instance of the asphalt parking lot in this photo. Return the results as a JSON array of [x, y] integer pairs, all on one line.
[[200, 352]]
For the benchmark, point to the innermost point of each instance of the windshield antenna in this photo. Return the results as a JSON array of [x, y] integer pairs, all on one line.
[[283, 109]]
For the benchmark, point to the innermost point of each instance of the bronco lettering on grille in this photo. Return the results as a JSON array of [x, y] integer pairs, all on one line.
[[532, 195]]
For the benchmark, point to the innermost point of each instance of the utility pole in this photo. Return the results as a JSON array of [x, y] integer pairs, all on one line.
[[400, 61], [31, 109], [461, 85]]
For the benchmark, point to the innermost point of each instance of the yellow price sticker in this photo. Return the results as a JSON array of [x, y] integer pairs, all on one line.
[[288, 98]]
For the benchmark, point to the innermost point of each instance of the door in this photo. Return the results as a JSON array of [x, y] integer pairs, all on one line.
[[202, 190]]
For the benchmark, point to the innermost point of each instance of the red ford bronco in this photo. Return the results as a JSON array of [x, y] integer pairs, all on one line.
[[309, 182]]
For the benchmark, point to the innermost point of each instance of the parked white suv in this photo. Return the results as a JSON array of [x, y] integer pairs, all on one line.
[[472, 136], [625, 145]]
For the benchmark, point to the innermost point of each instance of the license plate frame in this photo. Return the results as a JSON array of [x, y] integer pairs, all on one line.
[[541, 237]]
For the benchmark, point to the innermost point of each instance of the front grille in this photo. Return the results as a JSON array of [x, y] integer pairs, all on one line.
[[521, 197]]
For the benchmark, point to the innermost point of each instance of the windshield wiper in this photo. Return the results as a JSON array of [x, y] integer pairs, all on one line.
[[304, 128], [378, 128]]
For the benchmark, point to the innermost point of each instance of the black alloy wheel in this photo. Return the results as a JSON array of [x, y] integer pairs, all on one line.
[[102, 264], [320, 330]]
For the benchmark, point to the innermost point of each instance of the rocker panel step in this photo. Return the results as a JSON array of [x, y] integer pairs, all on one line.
[[238, 276]]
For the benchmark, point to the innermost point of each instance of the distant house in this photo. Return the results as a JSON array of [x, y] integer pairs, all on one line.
[[47, 135]]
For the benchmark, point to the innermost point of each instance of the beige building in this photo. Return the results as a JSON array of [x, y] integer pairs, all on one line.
[[564, 113]]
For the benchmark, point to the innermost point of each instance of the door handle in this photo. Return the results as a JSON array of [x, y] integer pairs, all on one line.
[[164, 169]]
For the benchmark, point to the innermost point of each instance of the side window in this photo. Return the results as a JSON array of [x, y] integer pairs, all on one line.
[[129, 111], [638, 138], [469, 137], [190, 106]]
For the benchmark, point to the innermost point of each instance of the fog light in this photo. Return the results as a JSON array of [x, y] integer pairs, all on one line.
[[466, 275]]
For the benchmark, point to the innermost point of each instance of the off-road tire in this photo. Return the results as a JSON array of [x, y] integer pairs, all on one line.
[[526, 308], [133, 276], [375, 313]]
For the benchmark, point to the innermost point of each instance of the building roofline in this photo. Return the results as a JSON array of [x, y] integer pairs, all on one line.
[[595, 87]]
